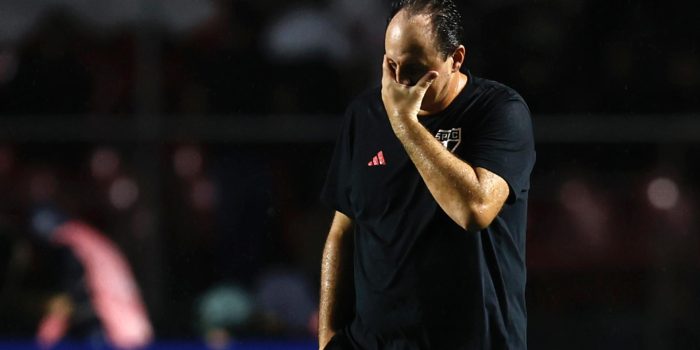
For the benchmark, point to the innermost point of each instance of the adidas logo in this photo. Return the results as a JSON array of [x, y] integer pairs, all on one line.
[[377, 160]]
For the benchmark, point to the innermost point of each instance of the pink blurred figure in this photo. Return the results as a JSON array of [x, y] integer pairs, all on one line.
[[113, 291]]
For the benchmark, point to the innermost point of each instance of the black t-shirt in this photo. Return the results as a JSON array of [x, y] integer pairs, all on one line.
[[421, 281]]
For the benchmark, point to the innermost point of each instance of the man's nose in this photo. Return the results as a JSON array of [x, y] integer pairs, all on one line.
[[402, 78]]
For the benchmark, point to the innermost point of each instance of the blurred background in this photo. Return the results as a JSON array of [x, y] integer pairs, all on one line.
[[162, 160]]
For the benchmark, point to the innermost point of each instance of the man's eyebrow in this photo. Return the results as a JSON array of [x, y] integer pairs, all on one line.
[[408, 63], [409, 59]]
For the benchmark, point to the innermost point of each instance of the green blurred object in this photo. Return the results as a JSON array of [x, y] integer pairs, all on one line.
[[224, 306]]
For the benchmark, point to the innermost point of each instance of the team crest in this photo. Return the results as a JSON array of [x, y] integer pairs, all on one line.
[[450, 138]]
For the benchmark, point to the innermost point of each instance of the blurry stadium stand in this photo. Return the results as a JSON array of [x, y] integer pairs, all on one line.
[[272, 129]]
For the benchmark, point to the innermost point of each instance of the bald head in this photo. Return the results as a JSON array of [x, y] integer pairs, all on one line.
[[443, 19]]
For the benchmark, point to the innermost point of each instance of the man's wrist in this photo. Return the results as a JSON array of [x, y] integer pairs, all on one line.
[[324, 337], [405, 127]]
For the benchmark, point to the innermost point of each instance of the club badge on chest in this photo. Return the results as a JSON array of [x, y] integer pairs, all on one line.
[[450, 138]]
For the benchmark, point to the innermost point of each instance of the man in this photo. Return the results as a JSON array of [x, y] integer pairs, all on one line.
[[429, 180]]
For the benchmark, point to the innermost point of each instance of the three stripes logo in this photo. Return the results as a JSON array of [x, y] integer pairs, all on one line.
[[377, 160]]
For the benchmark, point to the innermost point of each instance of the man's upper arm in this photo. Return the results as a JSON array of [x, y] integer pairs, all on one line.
[[338, 183], [505, 148], [494, 193], [341, 225]]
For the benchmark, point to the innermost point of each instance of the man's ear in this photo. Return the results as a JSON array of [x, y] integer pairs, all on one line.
[[458, 57]]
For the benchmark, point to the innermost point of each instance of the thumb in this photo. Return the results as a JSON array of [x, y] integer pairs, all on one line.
[[427, 79]]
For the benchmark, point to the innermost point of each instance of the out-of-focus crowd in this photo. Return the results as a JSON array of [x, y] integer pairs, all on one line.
[[311, 56]]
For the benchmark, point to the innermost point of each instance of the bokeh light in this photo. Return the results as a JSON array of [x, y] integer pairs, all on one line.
[[104, 163], [203, 194], [7, 160], [123, 193], [187, 162], [663, 193]]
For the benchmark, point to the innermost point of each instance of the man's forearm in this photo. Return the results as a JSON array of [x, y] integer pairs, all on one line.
[[460, 189], [471, 197], [336, 306]]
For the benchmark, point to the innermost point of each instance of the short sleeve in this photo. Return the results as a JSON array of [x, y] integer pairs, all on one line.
[[336, 190], [503, 144]]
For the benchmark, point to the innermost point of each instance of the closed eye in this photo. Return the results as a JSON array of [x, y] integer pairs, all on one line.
[[413, 73]]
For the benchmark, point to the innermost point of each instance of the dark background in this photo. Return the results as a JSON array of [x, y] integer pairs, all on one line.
[[196, 135]]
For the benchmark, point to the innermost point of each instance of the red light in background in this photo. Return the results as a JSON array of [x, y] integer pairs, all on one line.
[[187, 162], [104, 163], [203, 195]]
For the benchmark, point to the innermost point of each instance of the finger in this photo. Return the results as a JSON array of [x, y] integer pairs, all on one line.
[[425, 82], [387, 73]]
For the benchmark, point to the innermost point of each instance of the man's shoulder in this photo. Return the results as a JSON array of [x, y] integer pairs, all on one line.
[[496, 91], [496, 101]]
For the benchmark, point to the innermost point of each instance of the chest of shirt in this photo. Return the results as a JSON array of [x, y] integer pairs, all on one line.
[[384, 177]]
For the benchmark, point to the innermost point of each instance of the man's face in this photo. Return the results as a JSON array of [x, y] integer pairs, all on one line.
[[411, 51]]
